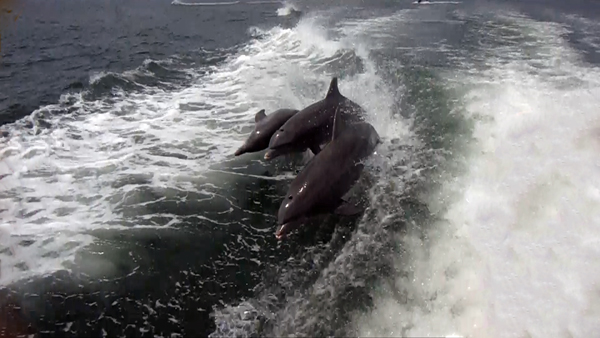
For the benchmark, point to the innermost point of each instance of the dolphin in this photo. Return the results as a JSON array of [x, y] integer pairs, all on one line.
[[292, 148], [320, 186], [311, 127], [264, 128]]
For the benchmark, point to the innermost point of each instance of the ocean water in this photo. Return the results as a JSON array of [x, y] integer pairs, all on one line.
[[125, 214]]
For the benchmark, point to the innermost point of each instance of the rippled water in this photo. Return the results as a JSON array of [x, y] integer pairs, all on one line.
[[124, 212]]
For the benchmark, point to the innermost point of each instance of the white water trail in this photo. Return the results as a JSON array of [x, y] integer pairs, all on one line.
[[300, 313], [80, 172], [516, 253]]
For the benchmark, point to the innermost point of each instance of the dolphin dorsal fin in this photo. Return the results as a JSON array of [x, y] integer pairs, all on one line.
[[333, 89], [260, 115], [337, 124]]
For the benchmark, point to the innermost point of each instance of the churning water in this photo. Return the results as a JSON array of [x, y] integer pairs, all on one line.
[[124, 200]]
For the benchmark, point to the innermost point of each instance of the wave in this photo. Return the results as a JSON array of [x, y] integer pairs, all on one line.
[[499, 248], [468, 198], [288, 9], [62, 166]]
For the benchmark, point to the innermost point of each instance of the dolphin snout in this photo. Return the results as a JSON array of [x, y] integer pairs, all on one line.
[[284, 230], [276, 139], [279, 235], [240, 151], [288, 227], [273, 153]]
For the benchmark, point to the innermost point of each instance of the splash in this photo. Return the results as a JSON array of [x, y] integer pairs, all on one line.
[[287, 9], [100, 159], [511, 255]]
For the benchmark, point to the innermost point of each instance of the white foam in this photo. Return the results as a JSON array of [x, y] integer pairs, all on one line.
[[287, 9], [66, 173], [303, 311], [516, 252]]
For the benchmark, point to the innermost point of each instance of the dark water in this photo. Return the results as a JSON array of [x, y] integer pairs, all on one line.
[[177, 261], [55, 46]]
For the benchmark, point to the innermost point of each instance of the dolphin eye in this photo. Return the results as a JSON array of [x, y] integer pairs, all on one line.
[[290, 197], [281, 129]]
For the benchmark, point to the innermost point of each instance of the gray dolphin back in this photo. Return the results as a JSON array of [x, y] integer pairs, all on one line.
[[312, 126], [265, 127], [320, 186]]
